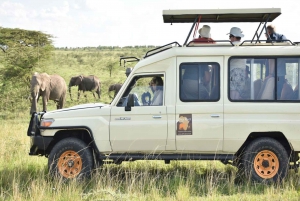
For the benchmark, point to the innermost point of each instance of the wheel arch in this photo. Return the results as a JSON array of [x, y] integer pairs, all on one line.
[[83, 133], [279, 136]]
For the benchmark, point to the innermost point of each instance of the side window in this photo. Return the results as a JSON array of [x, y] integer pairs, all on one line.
[[259, 79], [147, 90], [251, 79], [199, 82], [287, 79]]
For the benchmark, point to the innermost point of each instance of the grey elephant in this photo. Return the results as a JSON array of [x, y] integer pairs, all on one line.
[[85, 83], [49, 87], [114, 87]]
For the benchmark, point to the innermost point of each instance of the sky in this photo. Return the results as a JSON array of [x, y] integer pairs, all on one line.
[[82, 23]]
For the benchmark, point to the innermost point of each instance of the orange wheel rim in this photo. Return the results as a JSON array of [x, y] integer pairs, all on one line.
[[266, 164], [69, 164]]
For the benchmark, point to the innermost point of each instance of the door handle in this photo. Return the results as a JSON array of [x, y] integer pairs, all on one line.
[[156, 117], [215, 115]]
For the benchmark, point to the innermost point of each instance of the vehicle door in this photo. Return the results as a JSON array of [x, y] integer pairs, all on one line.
[[199, 105], [141, 127]]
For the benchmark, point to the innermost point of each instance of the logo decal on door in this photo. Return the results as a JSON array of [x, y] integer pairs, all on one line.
[[184, 124], [123, 118]]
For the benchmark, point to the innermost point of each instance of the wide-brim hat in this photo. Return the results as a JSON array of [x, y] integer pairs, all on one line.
[[237, 32], [205, 31]]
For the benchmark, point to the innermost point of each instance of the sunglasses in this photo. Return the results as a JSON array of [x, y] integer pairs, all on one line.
[[231, 36]]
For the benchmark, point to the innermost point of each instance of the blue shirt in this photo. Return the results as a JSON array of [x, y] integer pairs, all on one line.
[[276, 38]]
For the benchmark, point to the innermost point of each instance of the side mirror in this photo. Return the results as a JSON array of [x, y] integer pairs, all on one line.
[[130, 102]]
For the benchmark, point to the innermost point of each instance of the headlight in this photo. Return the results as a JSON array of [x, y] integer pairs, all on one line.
[[46, 122]]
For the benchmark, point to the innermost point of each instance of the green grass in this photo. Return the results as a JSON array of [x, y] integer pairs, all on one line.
[[24, 177]]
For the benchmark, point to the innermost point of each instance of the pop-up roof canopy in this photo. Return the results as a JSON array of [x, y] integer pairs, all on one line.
[[222, 15], [261, 15]]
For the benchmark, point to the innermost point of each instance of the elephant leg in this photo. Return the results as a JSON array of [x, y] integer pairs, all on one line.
[[84, 94], [61, 102], [98, 92], [78, 95]]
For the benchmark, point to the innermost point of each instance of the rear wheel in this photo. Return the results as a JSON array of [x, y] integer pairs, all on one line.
[[265, 160], [70, 158]]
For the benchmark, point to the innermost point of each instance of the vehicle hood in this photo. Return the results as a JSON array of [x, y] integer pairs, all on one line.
[[79, 114], [82, 106]]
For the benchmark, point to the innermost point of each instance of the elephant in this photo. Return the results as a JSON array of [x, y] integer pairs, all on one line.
[[85, 83], [50, 87], [114, 87]]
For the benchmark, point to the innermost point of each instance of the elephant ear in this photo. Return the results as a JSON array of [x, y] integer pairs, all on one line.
[[78, 80], [43, 80]]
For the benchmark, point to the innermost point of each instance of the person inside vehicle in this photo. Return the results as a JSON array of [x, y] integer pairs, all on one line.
[[156, 85], [205, 80], [245, 92], [235, 35], [274, 37]]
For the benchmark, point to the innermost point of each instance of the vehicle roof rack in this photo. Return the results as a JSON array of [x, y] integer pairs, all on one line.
[[161, 49], [125, 60], [272, 42], [218, 43]]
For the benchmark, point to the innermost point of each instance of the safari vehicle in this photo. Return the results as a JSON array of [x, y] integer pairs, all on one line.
[[198, 119]]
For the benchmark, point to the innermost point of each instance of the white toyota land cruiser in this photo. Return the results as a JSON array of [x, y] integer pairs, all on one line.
[[196, 110]]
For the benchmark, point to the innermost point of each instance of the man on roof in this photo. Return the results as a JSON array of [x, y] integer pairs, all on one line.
[[235, 35], [274, 37], [204, 35]]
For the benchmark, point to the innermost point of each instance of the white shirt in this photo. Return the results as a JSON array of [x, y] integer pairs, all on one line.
[[157, 98]]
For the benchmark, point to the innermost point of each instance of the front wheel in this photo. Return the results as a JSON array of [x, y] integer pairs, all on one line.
[[70, 158], [265, 160]]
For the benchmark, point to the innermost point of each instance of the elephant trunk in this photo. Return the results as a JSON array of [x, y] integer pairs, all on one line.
[[70, 91], [35, 96]]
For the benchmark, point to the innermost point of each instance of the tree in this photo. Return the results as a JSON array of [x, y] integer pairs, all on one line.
[[23, 51], [110, 64]]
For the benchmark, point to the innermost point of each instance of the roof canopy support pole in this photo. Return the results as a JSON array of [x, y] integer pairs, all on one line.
[[264, 28], [190, 30], [197, 26], [255, 34]]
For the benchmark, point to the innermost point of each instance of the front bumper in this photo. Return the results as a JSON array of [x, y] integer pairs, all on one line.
[[38, 143]]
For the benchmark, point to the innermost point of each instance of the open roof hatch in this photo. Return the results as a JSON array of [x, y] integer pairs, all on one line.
[[261, 15]]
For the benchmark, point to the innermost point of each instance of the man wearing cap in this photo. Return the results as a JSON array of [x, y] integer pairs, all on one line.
[[235, 35], [272, 36]]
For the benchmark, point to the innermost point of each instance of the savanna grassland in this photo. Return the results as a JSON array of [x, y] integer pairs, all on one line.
[[24, 177]]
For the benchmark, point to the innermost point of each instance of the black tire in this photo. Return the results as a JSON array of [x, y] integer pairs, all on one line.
[[70, 158], [265, 160]]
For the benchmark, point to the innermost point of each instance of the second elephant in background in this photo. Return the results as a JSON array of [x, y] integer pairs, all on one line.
[[114, 87], [85, 83]]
